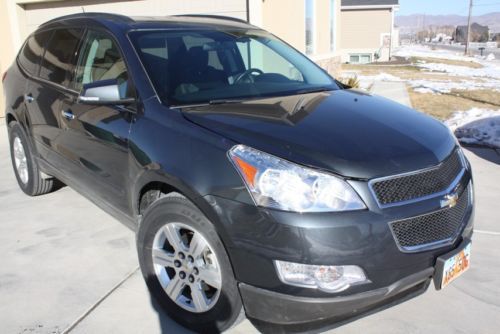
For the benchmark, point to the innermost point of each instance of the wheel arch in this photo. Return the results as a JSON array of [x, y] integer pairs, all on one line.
[[164, 185], [167, 185], [9, 117]]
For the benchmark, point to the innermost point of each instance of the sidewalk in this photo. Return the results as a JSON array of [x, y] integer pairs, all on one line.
[[395, 91]]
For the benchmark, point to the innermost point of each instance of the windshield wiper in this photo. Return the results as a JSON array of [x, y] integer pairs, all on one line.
[[314, 90], [224, 101], [202, 104]]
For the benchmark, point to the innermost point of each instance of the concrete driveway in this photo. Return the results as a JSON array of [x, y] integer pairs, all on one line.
[[66, 266]]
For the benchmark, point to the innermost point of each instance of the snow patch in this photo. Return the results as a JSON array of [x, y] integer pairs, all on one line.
[[476, 126], [365, 81], [463, 71], [446, 86], [424, 51]]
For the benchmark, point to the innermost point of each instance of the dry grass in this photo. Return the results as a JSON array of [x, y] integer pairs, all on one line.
[[376, 69], [352, 82], [471, 64], [442, 106], [482, 95]]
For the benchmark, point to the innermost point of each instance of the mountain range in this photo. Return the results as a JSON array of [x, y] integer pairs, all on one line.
[[416, 22]]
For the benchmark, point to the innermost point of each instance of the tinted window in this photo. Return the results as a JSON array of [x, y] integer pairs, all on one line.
[[58, 57], [100, 59], [30, 56]]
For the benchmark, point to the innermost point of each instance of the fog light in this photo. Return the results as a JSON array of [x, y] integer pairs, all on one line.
[[326, 278]]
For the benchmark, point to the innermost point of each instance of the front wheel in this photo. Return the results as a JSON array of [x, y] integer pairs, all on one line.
[[186, 266]]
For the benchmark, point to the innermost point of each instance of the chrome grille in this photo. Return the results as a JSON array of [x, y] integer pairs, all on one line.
[[412, 186], [433, 229]]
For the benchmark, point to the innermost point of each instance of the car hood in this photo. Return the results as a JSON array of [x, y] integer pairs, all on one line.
[[347, 132]]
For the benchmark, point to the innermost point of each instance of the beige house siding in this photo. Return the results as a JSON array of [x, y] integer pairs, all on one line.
[[6, 51], [363, 31], [290, 27]]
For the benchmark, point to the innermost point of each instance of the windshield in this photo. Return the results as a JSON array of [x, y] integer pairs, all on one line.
[[213, 66]]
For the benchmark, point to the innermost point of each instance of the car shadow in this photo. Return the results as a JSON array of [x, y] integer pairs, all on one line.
[[485, 153], [167, 324]]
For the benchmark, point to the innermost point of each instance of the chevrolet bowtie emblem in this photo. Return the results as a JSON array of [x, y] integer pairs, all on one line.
[[449, 200]]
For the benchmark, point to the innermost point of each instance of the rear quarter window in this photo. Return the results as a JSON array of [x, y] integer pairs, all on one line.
[[59, 55], [32, 51]]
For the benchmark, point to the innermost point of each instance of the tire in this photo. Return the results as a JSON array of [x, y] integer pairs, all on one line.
[[28, 177], [178, 214]]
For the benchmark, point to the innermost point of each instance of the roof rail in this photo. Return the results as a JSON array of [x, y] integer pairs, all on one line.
[[209, 16], [90, 16]]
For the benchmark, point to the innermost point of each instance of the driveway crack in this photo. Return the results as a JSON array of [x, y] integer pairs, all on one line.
[[99, 301]]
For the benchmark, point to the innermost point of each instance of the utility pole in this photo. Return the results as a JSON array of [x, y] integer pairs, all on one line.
[[468, 30]]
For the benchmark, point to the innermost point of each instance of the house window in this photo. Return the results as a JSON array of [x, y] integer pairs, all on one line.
[[360, 58], [332, 25], [310, 26]]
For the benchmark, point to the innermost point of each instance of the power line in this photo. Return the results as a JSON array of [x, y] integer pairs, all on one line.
[[489, 4]]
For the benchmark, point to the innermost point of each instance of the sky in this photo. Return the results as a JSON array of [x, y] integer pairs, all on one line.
[[445, 7]]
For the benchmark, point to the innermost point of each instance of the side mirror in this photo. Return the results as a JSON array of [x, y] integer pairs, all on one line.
[[104, 92]]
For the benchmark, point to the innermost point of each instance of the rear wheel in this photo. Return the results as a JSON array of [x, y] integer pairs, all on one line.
[[25, 166], [186, 266]]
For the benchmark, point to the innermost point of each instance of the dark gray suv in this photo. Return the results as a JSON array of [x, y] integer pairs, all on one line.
[[254, 180]]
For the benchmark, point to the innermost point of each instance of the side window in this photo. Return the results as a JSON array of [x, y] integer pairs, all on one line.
[[100, 59], [30, 56], [58, 58]]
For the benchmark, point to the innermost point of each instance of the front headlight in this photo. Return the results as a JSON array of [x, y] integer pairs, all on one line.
[[280, 184]]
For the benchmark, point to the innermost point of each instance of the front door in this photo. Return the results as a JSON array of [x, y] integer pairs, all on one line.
[[95, 138]]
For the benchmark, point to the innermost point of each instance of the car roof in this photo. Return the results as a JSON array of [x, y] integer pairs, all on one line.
[[152, 22]]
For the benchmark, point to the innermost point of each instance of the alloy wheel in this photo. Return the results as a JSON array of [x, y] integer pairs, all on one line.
[[186, 267], [20, 160]]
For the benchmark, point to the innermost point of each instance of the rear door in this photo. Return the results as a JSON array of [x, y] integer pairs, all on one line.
[[29, 60], [94, 139], [48, 86]]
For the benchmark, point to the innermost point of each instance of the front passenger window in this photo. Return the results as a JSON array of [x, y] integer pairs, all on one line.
[[99, 60]]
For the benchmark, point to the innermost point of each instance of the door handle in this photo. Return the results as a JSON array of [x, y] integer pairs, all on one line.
[[28, 98], [68, 114]]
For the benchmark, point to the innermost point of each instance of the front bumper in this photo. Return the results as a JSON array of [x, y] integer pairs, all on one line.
[[255, 237], [282, 309]]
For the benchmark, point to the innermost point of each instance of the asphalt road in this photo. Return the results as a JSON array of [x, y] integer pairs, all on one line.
[[68, 267], [460, 48]]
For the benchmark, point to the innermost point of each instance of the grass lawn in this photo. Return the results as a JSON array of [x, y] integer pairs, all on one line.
[[471, 64], [440, 106]]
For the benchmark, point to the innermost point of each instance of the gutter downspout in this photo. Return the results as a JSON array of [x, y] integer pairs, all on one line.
[[392, 32], [248, 10]]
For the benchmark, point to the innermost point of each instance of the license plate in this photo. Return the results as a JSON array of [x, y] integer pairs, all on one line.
[[452, 265]]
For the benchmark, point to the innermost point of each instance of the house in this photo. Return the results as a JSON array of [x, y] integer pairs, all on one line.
[[479, 33], [311, 26], [367, 30]]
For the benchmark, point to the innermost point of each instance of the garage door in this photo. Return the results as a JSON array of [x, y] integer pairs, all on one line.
[[38, 13]]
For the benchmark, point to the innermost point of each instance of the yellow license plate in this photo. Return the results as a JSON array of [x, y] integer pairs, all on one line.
[[455, 266]]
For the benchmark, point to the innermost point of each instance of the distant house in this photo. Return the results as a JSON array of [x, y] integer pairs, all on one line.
[[479, 33], [367, 30]]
